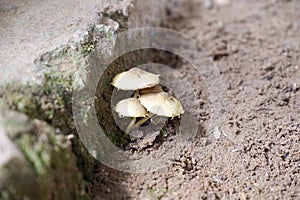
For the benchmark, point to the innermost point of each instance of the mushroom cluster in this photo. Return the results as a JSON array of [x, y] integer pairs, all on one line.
[[148, 99]]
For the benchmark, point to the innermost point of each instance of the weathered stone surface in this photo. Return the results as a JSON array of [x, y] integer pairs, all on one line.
[[30, 28]]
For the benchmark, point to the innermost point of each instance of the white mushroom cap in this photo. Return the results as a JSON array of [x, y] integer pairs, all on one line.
[[162, 104], [130, 108], [135, 79]]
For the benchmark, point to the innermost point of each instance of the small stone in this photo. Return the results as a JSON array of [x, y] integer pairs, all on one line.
[[148, 139], [295, 87], [136, 134], [217, 133], [208, 4]]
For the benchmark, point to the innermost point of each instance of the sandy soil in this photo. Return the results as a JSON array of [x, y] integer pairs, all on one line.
[[256, 46]]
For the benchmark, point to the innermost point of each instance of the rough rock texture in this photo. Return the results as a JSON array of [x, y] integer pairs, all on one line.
[[31, 28]]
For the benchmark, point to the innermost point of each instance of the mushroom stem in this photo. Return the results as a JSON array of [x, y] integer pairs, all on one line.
[[130, 125], [142, 121], [136, 94]]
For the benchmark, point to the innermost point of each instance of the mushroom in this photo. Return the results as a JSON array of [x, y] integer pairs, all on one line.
[[130, 108], [149, 97], [135, 79], [162, 104]]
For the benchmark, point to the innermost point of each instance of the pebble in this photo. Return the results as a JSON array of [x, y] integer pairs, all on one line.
[[217, 133], [295, 87], [208, 4]]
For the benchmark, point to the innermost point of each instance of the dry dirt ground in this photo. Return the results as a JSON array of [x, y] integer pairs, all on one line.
[[256, 45]]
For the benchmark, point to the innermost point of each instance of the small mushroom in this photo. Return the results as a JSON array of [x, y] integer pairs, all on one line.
[[130, 108], [161, 104], [135, 79]]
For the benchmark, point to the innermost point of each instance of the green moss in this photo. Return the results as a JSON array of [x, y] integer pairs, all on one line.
[[49, 102], [48, 153], [89, 41], [50, 170]]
